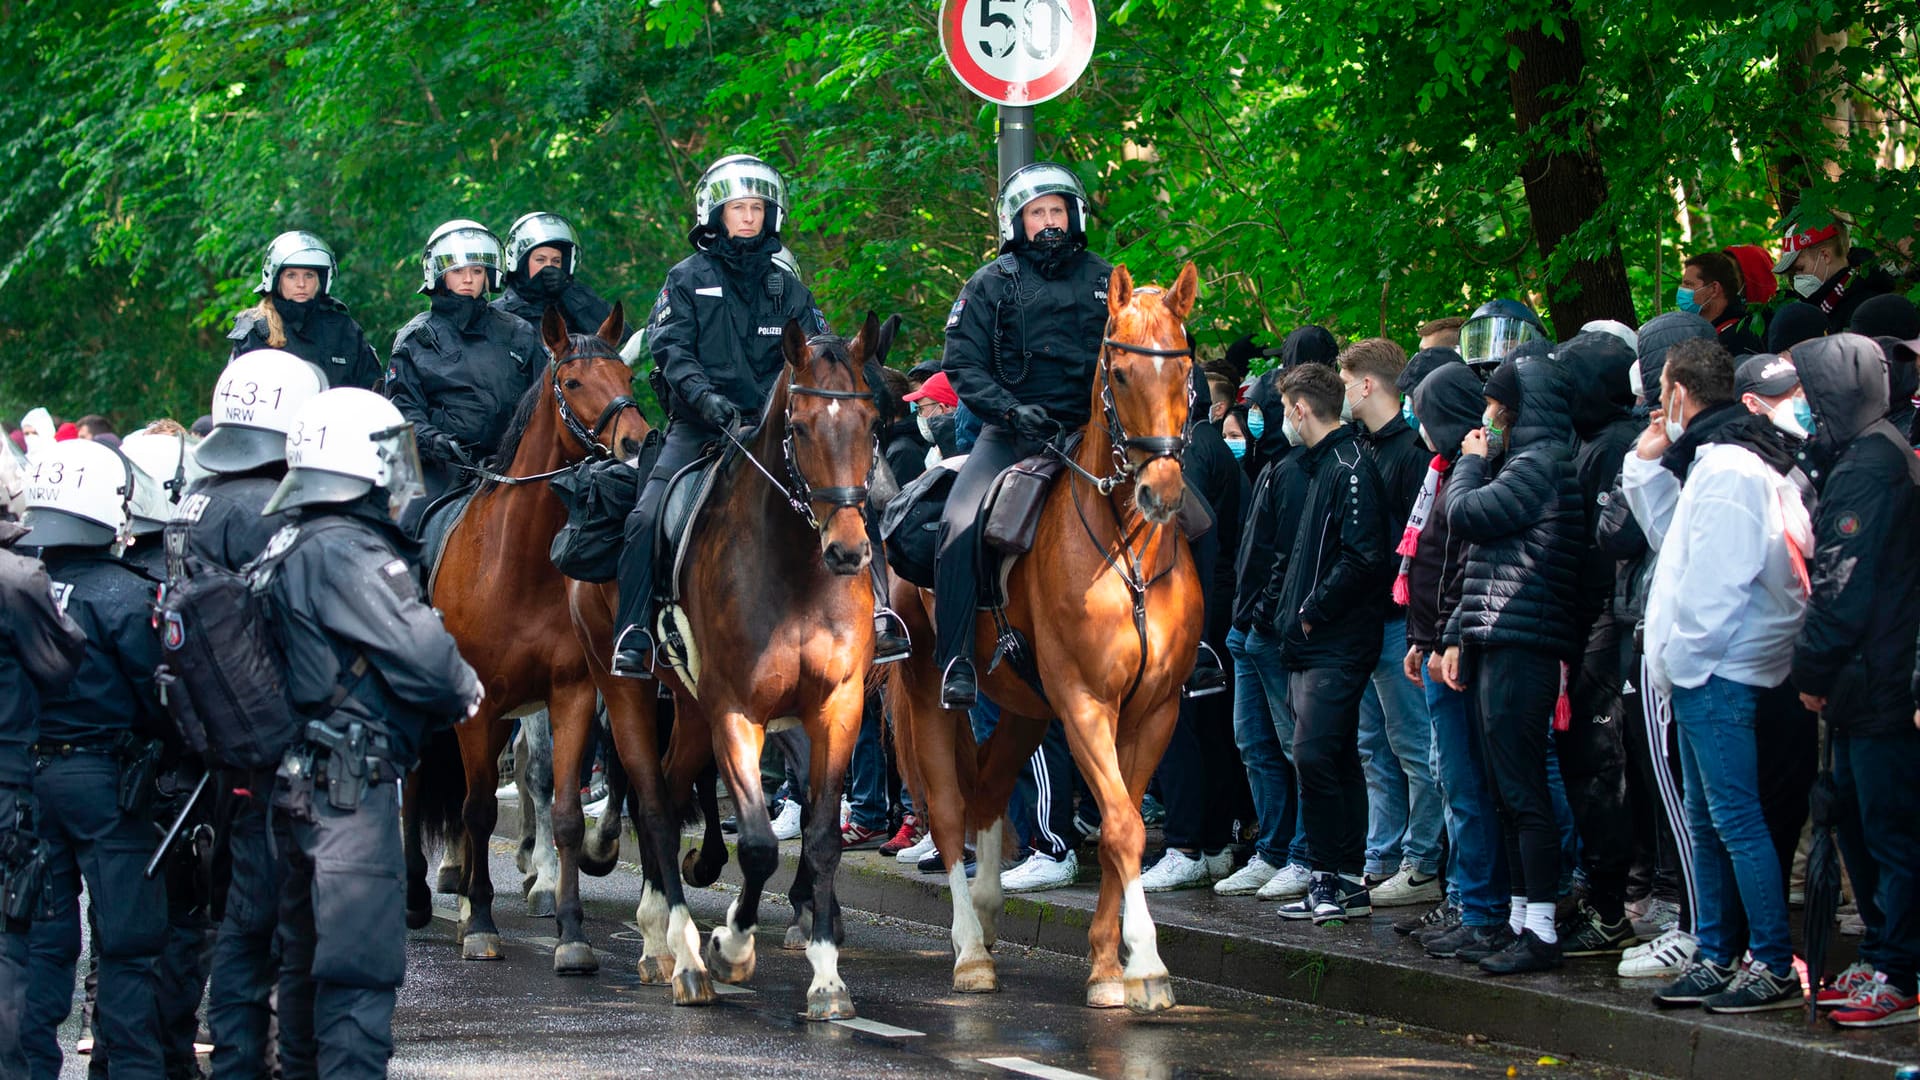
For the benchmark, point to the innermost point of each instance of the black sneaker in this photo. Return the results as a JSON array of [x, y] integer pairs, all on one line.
[[1322, 894], [1487, 939], [1701, 980], [957, 687], [1527, 953], [932, 863], [1440, 915], [1587, 935], [1758, 989], [1492, 939]]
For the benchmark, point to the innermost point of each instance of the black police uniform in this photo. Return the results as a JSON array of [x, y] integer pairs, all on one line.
[[40, 650], [458, 371], [583, 308], [219, 523], [340, 590], [319, 331], [77, 774], [711, 333], [1015, 337]]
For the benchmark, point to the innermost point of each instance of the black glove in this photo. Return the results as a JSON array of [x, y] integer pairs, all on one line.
[[717, 411], [1032, 422], [448, 448]]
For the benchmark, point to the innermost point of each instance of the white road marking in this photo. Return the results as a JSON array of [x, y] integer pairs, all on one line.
[[875, 1027], [1027, 1067]]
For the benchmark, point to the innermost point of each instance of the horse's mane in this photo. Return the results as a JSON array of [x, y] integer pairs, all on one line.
[[583, 347]]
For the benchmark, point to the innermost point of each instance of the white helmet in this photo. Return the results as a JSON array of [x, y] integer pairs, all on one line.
[[785, 259], [253, 406], [740, 176], [13, 480], [296, 248], [160, 475], [1030, 183], [343, 444], [460, 243], [540, 228], [77, 494]]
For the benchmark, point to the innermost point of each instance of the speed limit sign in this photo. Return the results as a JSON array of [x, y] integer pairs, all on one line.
[[1017, 52]]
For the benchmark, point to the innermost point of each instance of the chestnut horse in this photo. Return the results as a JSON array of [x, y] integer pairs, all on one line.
[[778, 615], [505, 603], [1110, 601]]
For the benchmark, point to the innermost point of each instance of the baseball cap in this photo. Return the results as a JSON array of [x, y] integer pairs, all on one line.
[[1765, 375], [938, 388], [1799, 240]]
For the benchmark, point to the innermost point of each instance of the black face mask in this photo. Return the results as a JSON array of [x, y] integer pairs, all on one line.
[[1053, 252], [546, 286], [467, 313], [747, 260]]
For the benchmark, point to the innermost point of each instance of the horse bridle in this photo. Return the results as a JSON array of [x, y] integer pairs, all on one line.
[[799, 493], [588, 437], [1154, 447]]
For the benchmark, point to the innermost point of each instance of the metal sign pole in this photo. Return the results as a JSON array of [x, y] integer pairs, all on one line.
[[1016, 139]]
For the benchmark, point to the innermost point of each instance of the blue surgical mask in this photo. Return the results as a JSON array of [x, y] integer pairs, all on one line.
[[1406, 413], [1803, 412], [1683, 299], [1256, 422], [1239, 448]]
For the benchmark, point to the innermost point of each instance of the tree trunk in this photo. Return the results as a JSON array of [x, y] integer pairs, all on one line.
[[1565, 183], [1806, 144]]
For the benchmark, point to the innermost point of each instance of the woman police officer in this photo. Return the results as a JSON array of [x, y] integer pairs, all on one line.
[[297, 312]]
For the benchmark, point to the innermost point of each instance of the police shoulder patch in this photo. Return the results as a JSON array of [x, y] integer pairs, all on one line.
[[1849, 524], [953, 316], [62, 592], [399, 577]]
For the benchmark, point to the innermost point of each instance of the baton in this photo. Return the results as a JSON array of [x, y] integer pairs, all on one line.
[[179, 822]]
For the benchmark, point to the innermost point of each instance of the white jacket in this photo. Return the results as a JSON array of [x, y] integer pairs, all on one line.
[[1728, 590]]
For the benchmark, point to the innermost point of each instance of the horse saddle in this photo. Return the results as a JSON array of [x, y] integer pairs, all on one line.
[[437, 523], [687, 493]]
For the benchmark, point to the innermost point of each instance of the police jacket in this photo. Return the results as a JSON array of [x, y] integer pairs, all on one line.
[[1525, 524], [458, 371], [320, 332], [40, 650], [1016, 337], [712, 334], [1449, 404], [1401, 459], [1856, 648], [343, 590], [219, 522], [1338, 572], [114, 691], [1266, 539], [582, 308]]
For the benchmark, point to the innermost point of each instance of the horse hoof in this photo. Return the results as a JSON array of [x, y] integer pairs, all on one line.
[[830, 1004], [656, 970], [481, 947], [575, 958], [419, 918], [726, 970], [696, 873], [691, 987], [448, 880], [976, 977], [1105, 994], [1150, 995], [540, 904], [796, 939]]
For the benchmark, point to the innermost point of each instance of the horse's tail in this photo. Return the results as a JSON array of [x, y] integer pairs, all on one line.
[[441, 787]]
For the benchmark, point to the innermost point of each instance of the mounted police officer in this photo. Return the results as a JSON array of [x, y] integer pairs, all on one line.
[[542, 259], [219, 523], [715, 339], [93, 767], [375, 674], [460, 367], [40, 650], [297, 312]]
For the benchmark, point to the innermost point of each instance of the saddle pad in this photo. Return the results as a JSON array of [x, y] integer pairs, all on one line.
[[687, 493], [437, 524]]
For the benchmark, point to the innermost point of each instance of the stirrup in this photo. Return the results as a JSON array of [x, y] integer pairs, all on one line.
[[959, 688], [891, 642], [635, 660], [1208, 677]]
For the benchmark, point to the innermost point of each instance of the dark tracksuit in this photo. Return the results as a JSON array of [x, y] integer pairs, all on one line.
[[1015, 337], [40, 650], [322, 333], [343, 589], [77, 774]]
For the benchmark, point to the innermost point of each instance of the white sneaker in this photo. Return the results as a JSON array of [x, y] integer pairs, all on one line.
[[1219, 864], [1665, 957], [921, 848], [1175, 870], [1246, 880], [1404, 888], [846, 813], [1041, 871], [1290, 883], [787, 825], [507, 791]]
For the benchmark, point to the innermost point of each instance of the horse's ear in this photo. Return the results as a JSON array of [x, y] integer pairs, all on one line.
[[1119, 290], [615, 325], [793, 343], [553, 331], [1185, 290], [888, 331]]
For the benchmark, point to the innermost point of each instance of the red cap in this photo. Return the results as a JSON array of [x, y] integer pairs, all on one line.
[[1757, 282], [66, 431], [938, 388], [1797, 242]]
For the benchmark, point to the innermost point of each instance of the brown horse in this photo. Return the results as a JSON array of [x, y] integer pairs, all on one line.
[[1111, 603], [505, 603], [777, 612]]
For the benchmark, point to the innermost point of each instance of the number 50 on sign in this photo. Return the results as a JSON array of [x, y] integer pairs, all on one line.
[[1017, 52]]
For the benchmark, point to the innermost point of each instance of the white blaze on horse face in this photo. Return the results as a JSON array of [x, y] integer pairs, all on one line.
[[825, 958], [833, 408], [1136, 930]]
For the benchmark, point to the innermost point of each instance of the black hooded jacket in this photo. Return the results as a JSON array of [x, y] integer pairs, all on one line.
[[1019, 337], [581, 306], [1524, 523], [458, 371], [1856, 648], [40, 651], [321, 332], [1401, 459], [1339, 571], [1271, 445], [1448, 404], [1596, 366], [715, 333], [1211, 470]]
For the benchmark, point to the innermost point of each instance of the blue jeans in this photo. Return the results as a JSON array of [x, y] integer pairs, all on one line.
[[1733, 857], [1403, 808], [1258, 678], [867, 776], [1477, 866]]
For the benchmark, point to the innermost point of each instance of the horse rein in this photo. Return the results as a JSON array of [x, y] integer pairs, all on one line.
[[801, 495], [589, 437]]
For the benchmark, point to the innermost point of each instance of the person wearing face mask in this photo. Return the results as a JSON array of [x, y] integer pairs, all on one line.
[[1233, 431], [541, 262], [927, 436], [297, 312], [1516, 499], [1769, 387], [459, 367], [1710, 288], [1821, 265], [1266, 443], [1727, 599]]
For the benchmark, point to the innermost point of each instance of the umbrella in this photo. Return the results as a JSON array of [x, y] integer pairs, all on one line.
[[1823, 876]]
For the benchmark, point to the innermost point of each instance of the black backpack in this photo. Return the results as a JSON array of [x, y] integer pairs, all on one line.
[[222, 675]]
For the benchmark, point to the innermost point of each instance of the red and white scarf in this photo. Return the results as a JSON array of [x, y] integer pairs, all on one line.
[[1416, 521]]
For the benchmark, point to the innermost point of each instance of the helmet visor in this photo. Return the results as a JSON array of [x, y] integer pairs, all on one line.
[[401, 457], [48, 527], [1037, 181], [1488, 339], [305, 487], [232, 449]]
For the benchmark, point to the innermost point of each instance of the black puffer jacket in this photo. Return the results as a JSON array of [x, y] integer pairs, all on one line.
[[1524, 522], [1449, 404], [1856, 648], [1339, 570], [1663, 332], [1596, 367]]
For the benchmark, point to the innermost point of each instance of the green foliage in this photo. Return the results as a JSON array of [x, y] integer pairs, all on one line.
[[1354, 163]]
